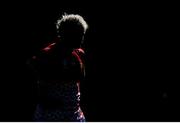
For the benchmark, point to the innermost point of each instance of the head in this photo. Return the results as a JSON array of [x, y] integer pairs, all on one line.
[[71, 28]]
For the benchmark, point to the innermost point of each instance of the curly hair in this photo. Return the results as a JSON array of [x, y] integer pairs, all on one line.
[[71, 20], [72, 28]]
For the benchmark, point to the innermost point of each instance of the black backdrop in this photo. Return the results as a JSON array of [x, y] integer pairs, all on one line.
[[131, 53]]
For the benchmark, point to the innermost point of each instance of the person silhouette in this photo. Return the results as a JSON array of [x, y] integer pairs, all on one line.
[[59, 68]]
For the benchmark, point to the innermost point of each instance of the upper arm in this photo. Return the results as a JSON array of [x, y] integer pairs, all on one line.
[[78, 65]]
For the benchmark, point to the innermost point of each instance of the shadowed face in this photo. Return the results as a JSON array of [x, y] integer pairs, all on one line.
[[71, 34]]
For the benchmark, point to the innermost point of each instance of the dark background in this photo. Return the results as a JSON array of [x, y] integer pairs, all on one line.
[[132, 57]]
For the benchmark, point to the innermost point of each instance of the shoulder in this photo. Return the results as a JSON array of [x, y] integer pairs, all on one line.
[[42, 53], [79, 54], [46, 51], [80, 50], [48, 48]]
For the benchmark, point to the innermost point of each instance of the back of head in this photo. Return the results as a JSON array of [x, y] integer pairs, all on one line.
[[71, 28]]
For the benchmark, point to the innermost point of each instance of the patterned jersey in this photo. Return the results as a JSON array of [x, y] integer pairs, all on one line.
[[58, 83]]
